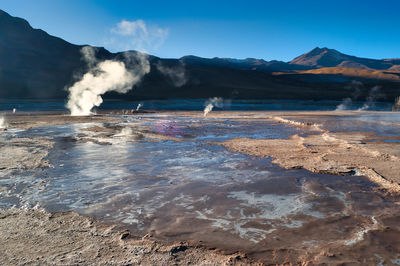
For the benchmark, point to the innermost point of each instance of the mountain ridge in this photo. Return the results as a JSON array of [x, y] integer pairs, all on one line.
[[325, 57], [34, 64]]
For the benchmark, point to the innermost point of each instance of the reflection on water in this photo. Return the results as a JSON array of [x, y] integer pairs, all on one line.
[[193, 189]]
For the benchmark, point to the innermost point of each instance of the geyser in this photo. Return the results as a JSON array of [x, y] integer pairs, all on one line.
[[102, 77], [3, 123], [216, 101]]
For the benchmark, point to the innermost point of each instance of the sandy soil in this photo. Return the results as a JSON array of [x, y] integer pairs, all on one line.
[[23, 153], [28, 120], [36, 237]]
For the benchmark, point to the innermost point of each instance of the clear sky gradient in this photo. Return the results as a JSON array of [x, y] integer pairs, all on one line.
[[266, 29]]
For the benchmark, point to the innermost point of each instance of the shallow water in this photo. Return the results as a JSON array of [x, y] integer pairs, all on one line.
[[195, 189], [379, 123]]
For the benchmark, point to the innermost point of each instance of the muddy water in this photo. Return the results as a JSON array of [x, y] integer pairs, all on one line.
[[196, 190]]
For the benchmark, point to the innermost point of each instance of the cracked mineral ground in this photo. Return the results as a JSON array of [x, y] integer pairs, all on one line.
[[229, 188]]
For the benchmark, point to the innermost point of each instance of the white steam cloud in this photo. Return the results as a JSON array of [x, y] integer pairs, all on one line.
[[102, 77], [3, 123], [208, 109], [138, 106], [137, 35], [177, 74], [210, 103]]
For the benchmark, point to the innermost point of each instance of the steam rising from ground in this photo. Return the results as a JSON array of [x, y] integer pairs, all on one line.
[[344, 105], [102, 77], [3, 123], [216, 101], [177, 74], [373, 95], [138, 106]]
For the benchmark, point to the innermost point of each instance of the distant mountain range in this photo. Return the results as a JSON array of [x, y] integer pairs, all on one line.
[[34, 64], [316, 58], [324, 57]]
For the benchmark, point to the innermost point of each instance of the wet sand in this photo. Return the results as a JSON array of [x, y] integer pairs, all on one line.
[[328, 153], [25, 120], [292, 220], [36, 237]]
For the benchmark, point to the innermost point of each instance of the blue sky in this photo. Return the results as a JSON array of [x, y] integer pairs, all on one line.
[[266, 29]]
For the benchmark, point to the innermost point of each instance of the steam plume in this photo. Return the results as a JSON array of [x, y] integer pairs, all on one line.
[[3, 123], [346, 103], [208, 109], [102, 77], [138, 106], [176, 74], [216, 101], [373, 95]]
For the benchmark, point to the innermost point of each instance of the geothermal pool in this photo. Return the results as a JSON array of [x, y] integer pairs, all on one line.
[[166, 175]]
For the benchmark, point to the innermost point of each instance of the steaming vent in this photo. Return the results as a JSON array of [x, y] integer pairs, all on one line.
[[210, 103], [102, 77], [396, 106], [3, 123]]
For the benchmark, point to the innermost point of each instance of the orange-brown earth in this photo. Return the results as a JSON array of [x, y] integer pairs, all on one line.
[[389, 75]]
